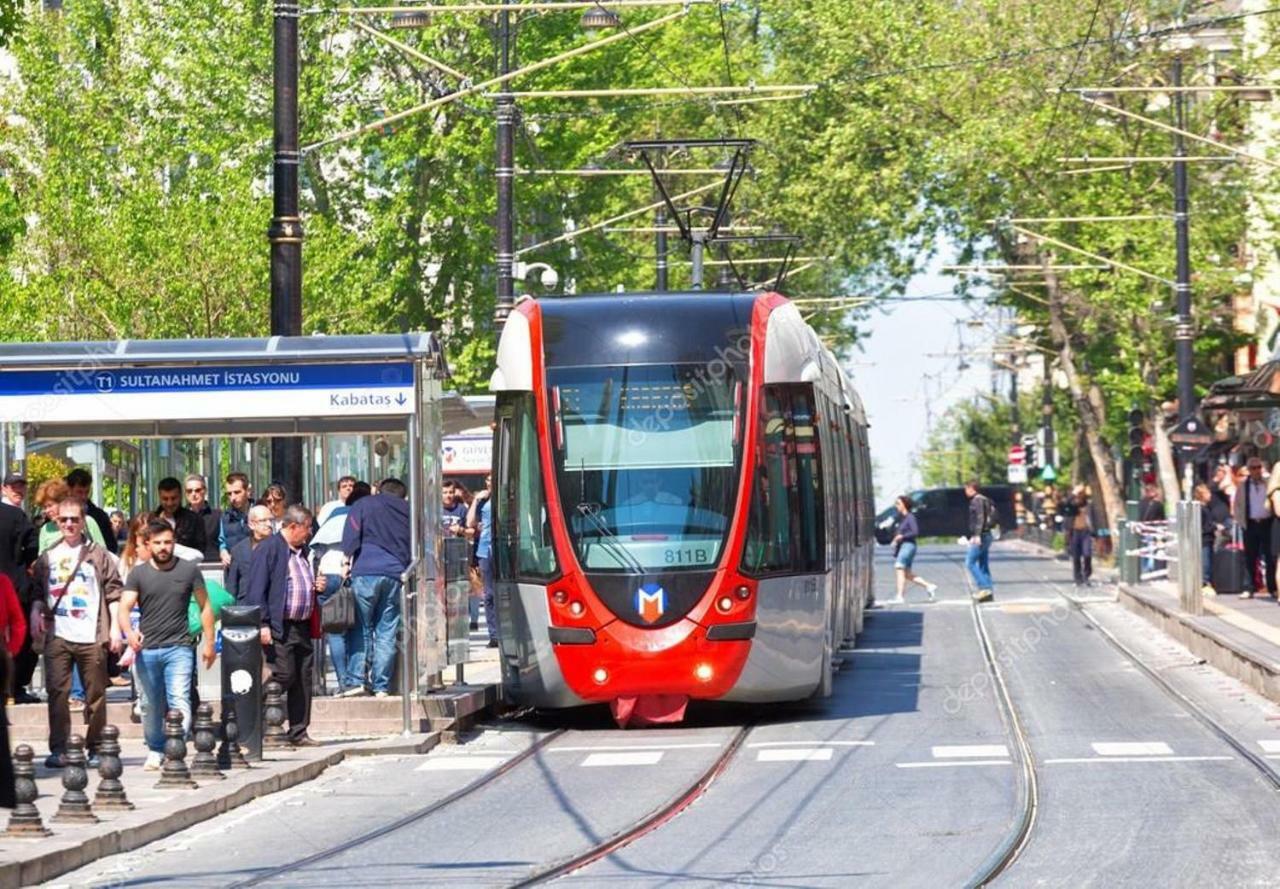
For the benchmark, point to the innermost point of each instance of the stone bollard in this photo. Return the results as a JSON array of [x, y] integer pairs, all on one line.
[[230, 756], [25, 821], [110, 795], [205, 763], [73, 808], [174, 771], [275, 737]]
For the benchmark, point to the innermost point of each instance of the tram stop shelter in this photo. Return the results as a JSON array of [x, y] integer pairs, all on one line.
[[249, 389]]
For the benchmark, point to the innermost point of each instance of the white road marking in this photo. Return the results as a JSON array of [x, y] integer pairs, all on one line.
[[1087, 759], [631, 747], [813, 744], [791, 754], [937, 764], [1131, 748], [1270, 745], [642, 758], [970, 751], [461, 763]]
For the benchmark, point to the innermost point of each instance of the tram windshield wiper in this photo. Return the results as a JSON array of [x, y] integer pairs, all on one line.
[[608, 539]]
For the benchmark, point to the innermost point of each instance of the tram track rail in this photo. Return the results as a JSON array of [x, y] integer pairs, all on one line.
[[407, 819]]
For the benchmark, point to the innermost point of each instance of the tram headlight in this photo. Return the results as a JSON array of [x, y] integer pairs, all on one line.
[[743, 592], [724, 604], [577, 608], [560, 597], [703, 672], [601, 676]]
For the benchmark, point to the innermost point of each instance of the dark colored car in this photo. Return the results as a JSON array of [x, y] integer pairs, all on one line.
[[944, 512]]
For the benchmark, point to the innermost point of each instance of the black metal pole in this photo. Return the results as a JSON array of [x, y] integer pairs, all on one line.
[[1014, 414], [1046, 414], [506, 113], [660, 220], [285, 233], [1183, 332]]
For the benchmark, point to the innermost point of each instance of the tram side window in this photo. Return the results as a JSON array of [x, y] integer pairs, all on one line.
[[785, 525], [522, 530]]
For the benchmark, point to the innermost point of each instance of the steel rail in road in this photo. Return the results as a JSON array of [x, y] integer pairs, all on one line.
[[404, 820], [1195, 710], [645, 825], [1011, 847]]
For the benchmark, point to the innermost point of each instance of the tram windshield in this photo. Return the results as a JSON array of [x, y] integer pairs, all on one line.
[[646, 464]]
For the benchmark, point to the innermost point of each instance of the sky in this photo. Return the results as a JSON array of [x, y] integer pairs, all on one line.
[[902, 385]]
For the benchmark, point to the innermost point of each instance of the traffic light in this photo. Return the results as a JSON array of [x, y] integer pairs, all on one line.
[[1029, 449], [1137, 435]]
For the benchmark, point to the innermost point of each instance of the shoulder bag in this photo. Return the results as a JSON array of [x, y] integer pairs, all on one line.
[[338, 613]]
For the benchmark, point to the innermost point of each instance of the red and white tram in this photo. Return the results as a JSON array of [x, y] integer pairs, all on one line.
[[682, 503]]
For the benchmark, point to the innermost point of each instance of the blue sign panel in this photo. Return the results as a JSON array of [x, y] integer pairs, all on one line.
[[237, 378]]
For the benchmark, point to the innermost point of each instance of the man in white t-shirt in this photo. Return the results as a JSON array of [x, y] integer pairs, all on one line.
[[346, 485], [78, 592]]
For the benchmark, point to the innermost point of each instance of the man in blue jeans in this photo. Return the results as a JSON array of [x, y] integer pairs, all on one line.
[[480, 527], [162, 588], [982, 520], [376, 539]]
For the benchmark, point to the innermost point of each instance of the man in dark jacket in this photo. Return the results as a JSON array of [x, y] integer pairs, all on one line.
[[210, 518], [377, 540], [17, 552], [242, 553], [79, 482], [188, 528], [982, 519], [283, 585]]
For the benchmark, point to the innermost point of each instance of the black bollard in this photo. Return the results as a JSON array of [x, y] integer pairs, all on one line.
[[205, 763], [74, 808], [110, 794], [24, 821], [275, 736], [174, 771], [230, 756]]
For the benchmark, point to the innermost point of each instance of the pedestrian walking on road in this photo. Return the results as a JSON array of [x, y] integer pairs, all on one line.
[[982, 521], [1215, 521], [377, 541], [904, 551], [164, 657], [74, 620], [1078, 516], [282, 584], [1253, 515]]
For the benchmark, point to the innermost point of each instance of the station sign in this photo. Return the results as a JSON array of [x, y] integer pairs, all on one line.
[[207, 392]]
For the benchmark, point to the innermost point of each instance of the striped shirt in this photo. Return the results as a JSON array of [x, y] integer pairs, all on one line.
[[297, 602]]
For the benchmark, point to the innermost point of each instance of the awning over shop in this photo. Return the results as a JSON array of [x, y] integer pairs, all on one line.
[[1257, 390]]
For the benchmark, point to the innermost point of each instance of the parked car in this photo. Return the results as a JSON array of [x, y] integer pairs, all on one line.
[[944, 512]]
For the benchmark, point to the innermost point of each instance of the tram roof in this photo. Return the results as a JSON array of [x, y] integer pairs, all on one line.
[[263, 350]]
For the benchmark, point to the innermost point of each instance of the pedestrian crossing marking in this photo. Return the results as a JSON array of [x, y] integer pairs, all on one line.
[[948, 763], [813, 744], [460, 763], [1131, 748], [794, 754], [637, 758], [1270, 745], [970, 751], [1126, 759]]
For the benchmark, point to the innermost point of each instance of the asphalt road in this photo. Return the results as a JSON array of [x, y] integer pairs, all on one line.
[[903, 778]]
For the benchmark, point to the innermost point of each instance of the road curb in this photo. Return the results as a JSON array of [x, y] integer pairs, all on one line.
[[1253, 667]]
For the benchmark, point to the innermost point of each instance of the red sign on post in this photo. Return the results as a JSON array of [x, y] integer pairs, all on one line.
[[1017, 455]]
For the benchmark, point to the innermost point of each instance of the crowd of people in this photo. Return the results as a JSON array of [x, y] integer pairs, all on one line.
[[106, 599]]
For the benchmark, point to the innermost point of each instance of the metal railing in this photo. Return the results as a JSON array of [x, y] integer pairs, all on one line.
[[1155, 550]]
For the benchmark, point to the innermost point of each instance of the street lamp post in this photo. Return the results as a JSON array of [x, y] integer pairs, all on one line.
[[285, 233], [1183, 331], [505, 225]]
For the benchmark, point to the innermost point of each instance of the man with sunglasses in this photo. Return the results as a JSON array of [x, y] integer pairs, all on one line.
[[188, 528], [73, 619], [210, 517]]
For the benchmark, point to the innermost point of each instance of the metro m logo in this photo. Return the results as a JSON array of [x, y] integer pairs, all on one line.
[[651, 602]]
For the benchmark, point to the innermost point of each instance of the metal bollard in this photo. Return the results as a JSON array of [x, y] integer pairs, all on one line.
[[74, 808], [205, 764], [174, 772], [24, 821], [230, 756], [1190, 558], [110, 795], [275, 737]]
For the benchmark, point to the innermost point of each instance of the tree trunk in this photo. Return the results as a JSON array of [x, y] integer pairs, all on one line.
[[1088, 407], [1166, 469]]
